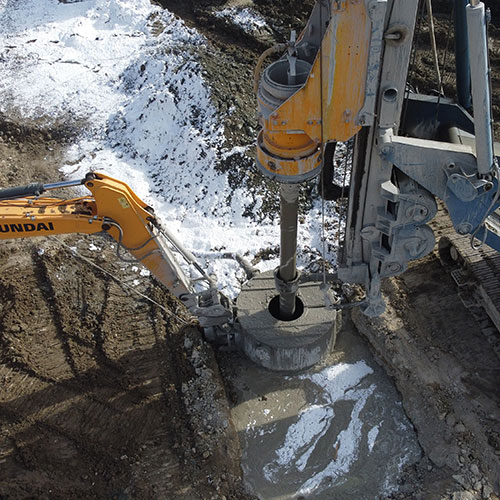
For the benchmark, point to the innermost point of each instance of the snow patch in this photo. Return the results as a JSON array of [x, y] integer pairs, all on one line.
[[245, 18]]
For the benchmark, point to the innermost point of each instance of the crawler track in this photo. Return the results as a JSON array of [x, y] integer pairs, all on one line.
[[477, 275]]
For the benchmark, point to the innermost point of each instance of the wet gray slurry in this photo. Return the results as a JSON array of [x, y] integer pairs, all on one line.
[[335, 431]]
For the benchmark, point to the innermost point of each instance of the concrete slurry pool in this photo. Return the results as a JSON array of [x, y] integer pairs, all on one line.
[[336, 431]]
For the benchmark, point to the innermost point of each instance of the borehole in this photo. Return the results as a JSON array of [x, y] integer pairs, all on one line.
[[274, 309]]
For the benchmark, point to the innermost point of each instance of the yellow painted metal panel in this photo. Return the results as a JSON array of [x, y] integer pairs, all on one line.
[[325, 108], [277, 166]]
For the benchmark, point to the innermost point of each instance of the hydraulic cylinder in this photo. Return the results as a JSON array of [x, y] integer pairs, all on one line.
[[481, 93], [462, 54]]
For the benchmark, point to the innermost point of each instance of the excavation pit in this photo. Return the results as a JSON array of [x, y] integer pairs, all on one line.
[[285, 345]]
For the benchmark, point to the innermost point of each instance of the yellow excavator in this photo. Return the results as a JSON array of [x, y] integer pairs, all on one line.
[[113, 207]]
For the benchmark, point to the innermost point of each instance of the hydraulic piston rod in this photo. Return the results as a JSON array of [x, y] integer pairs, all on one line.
[[462, 54], [35, 189], [481, 93], [289, 205]]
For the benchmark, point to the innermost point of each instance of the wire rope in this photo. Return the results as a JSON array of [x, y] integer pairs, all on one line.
[[76, 254], [320, 53], [413, 61]]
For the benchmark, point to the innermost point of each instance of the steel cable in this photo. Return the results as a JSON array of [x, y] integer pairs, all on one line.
[[75, 254]]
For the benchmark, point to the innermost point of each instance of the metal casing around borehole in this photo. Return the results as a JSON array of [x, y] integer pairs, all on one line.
[[285, 345], [287, 156]]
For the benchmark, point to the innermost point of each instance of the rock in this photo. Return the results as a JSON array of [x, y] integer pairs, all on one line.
[[452, 461], [487, 491], [438, 455], [463, 495], [461, 480], [460, 428], [450, 420], [475, 470]]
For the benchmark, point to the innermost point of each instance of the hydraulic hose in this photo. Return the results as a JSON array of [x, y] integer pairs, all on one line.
[[280, 47]]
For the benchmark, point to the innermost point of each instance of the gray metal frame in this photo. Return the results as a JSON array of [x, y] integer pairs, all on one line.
[[395, 178]]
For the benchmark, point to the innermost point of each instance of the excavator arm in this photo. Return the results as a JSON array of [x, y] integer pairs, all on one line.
[[114, 208]]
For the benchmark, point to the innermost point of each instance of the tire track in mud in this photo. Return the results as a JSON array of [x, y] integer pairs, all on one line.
[[79, 298], [45, 285], [118, 331], [86, 385], [34, 371], [28, 323]]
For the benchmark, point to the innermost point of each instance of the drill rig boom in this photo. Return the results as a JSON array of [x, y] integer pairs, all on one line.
[[345, 76]]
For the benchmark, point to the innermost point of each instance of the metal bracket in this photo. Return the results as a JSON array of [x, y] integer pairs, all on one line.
[[209, 306], [374, 305], [466, 187], [286, 286]]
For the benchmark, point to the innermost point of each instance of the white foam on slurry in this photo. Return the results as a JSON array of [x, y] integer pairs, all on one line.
[[334, 384], [372, 437]]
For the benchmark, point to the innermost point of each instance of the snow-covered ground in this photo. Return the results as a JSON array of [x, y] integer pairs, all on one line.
[[245, 18], [127, 72]]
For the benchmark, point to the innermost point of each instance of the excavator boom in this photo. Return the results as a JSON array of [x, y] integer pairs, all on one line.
[[113, 208]]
